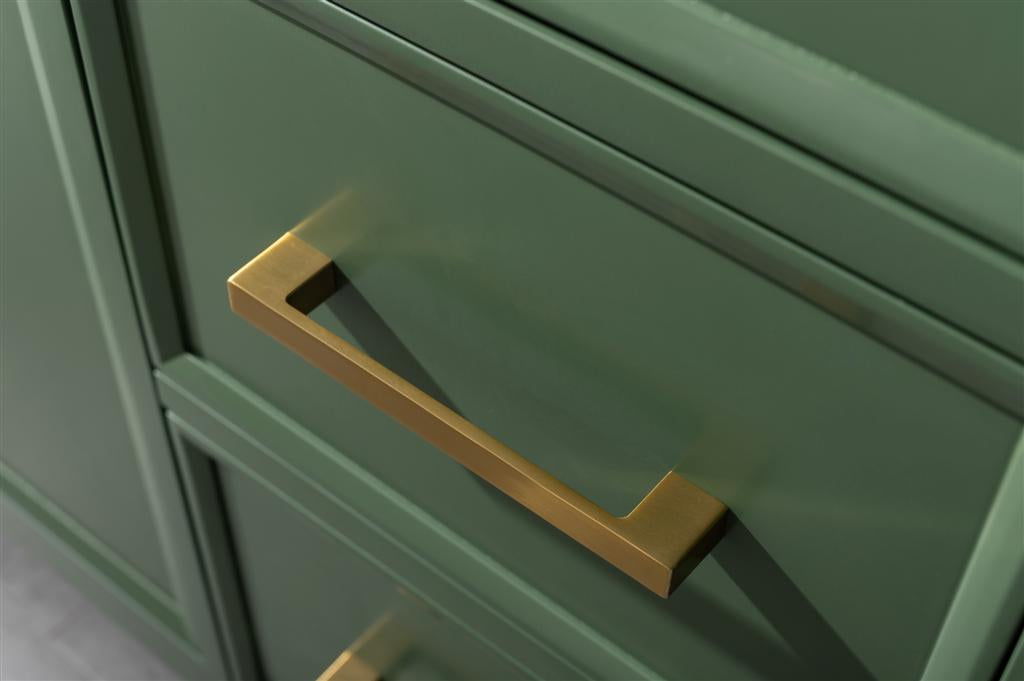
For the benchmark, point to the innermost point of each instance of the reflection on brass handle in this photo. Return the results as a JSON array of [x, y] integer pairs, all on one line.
[[376, 651], [657, 544], [350, 667]]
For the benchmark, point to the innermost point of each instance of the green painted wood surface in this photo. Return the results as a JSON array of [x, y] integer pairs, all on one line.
[[86, 465], [989, 605], [873, 310], [310, 597], [719, 114], [244, 433], [157, 605], [605, 345], [106, 69], [65, 427], [964, 58], [201, 490], [228, 423], [883, 135]]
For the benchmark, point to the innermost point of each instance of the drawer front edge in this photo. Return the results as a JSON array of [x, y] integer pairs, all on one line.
[[415, 549], [989, 603]]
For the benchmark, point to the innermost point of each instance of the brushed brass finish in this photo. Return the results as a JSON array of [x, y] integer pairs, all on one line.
[[658, 543], [349, 667], [376, 651]]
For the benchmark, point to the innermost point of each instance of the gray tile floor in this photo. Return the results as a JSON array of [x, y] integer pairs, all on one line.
[[50, 632]]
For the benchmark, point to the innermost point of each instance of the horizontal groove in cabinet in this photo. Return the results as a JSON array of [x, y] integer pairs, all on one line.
[[880, 313], [849, 222], [416, 549], [885, 137]]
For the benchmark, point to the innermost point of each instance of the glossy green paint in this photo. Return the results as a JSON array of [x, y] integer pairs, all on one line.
[[551, 291], [726, 154], [86, 465]]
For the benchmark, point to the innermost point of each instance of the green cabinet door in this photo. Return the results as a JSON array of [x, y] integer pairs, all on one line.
[[85, 464], [65, 431]]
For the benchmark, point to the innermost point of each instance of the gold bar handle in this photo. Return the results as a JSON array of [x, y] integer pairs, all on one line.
[[372, 655], [658, 543]]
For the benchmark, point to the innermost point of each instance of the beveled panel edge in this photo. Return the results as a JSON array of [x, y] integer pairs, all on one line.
[[989, 601], [201, 490], [785, 188], [122, 136], [99, 584], [412, 547], [53, 51], [870, 129], [924, 338], [156, 606]]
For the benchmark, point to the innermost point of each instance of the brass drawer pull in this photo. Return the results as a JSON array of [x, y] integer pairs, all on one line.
[[658, 543], [372, 655]]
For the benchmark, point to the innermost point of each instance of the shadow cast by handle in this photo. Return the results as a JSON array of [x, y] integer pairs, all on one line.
[[815, 650], [370, 331], [813, 640]]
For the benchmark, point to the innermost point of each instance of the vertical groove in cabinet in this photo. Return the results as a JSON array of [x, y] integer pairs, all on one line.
[[212, 532], [49, 33], [122, 128]]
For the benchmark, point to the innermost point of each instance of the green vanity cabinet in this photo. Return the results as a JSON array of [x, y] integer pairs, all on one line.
[[84, 464], [592, 331], [626, 240]]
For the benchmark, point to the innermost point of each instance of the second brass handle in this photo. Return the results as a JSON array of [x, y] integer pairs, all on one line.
[[370, 657], [658, 543]]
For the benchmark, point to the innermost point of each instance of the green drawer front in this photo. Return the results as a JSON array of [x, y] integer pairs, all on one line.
[[837, 164], [601, 342], [310, 596], [963, 58]]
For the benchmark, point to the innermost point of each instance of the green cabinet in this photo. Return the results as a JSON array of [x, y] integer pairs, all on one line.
[[84, 464], [605, 344], [614, 251]]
